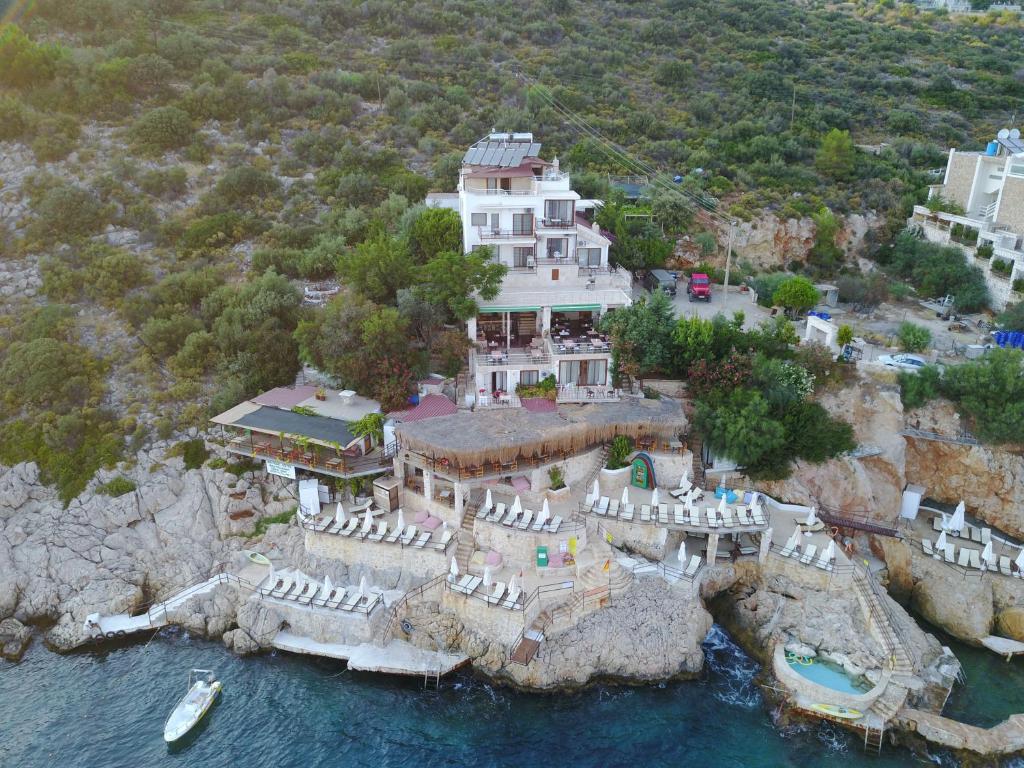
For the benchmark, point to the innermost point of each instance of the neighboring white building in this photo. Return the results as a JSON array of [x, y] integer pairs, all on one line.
[[559, 281], [989, 187]]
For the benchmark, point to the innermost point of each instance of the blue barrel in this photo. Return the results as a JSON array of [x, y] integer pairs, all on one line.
[[992, 148]]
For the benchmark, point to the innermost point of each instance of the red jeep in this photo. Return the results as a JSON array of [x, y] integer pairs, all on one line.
[[699, 287]]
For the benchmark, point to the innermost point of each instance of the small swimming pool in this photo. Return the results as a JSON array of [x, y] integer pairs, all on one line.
[[829, 675]]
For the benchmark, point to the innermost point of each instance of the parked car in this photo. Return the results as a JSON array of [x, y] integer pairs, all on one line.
[[699, 287], [660, 278], [903, 360]]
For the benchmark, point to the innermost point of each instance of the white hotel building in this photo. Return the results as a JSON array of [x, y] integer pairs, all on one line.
[[559, 281]]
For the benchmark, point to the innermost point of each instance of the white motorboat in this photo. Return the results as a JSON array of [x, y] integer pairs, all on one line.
[[202, 692]]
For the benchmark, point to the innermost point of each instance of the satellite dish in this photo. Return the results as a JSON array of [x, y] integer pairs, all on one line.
[[1003, 134], [1015, 133]]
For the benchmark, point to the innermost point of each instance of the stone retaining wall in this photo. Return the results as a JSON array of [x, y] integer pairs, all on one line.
[[420, 563]]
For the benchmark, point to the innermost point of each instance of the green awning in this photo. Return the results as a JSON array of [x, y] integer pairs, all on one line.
[[493, 310], [577, 308]]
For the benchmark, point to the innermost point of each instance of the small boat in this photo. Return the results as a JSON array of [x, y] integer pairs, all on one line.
[[258, 558], [202, 692], [843, 713]]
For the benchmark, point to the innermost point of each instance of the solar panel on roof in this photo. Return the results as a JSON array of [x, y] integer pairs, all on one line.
[[501, 154], [1014, 145]]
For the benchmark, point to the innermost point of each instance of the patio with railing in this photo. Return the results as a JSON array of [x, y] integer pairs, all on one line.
[[312, 456], [514, 356], [571, 393]]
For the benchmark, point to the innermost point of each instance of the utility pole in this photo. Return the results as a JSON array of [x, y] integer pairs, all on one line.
[[728, 263]]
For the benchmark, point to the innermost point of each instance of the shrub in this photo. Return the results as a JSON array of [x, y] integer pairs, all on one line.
[[212, 232], [546, 388], [119, 486], [14, 119], [939, 270], [766, 285], [556, 477], [1018, 285], [164, 182], [1002, 267], [844, 335], [24, 63], [984, 251], [192, 452], [913, 338], [991, 392], [67, 212], [264, 523], [217, 462], [240, 189], [162, 129], [796, 293], [918, 387], [619, 452]]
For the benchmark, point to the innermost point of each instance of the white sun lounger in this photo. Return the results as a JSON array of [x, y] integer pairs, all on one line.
[[350, 601], [727, 520], [627, 512], [712, 517], [281, 588], [613, 508], [510, 518], [602, 505], [513, 598], [525, 522], [679, 514], [421, 540], [590, 500], [474, 582], [539, 522], [692, 566], [788, 549], [408, 535], [496, 513], [324, 522], [679, 493], [948, 554], [937, 524], [694, 517], [459, 585], [497, 594], [336, 527], [645, 513], [758, 515], [307, 598], [809, 553], [382, 529], [393, 536], [976, 560], [321, 600], [554, 525], [822, 562], [663, 514], [300, 591], [445, 538], [370, 602], [975, 534], [1004, 566], [965, 557], [350, 526], [926, 545], [986, 535], [337, 600]]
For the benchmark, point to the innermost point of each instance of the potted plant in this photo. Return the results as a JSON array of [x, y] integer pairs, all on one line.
[[618, 457], [558, 490], [321, 393]]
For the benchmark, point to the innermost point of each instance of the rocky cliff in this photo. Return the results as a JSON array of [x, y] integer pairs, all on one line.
[[769, 241]]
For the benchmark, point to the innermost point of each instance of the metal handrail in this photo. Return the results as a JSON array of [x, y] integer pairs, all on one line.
[[389, 628]]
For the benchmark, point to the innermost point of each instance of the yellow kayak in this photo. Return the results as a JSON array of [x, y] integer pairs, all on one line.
[[836, 711]]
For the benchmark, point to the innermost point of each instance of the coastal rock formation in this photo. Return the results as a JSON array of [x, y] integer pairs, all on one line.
[[257, 625], [14, 639], [769, 241], [109, 555]]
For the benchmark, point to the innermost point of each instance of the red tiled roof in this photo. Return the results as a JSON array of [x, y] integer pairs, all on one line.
[[429, 407], [539, 405]]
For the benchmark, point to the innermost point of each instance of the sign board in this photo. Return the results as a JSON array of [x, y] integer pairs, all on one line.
[[279, 468]]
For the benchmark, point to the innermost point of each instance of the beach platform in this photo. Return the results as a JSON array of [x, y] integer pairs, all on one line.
[[396, 658], [1004, 646]]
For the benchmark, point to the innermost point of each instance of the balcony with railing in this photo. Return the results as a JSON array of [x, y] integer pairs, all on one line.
[[490, 233], [512, 357], [556, 223], [577, 347], [574, 393]]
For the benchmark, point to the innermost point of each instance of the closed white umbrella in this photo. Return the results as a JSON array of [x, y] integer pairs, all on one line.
[[940, 544], [682, 552], [327, 585], [512, 585], [487, 575], [339, 514], [794, 539], [654, 497], [270, 576], [596, 492], [625, 495], [1020, 561], [722, 505], [812, 518], [453, 572], [767, 536], [367, 522], [956, 522], [444, 526], [488, 501], [684, 479], [989, 556], [830, 551], [517, 506], [545, 510], [362, 586]]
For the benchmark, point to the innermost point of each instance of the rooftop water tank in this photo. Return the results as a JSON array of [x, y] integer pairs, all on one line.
[[992, 148]]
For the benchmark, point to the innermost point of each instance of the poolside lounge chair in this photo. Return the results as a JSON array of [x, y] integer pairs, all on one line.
[[727, 520], [926, 545], [510, 518], [788, 549], [513, 597], [975, 534], [712, 517], [824, 563], [496, 513], [613, 508], [497, 594], [645, 513], [283, 585], [323, 523], [553, 526], [694, 517], [300, 592], [336, 527], [1004, 566], [692, 567], [307, 597], [369, 603], [474, 582], [337, 600], [976, 560], [445, 538], [965, 557], [758, 516], [392, 537], [663, 514], [539, 522], [809, 554], [378, 535], [948, 554], [601, 507], [408, 535], [349, 527], [525, 522], [678, 493], [421, 540], [459, 585], [679, 514], [350, 601], [936, 523], [627, 512]]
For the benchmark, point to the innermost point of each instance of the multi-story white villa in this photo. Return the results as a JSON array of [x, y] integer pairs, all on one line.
[[989, 187], [559, 281]]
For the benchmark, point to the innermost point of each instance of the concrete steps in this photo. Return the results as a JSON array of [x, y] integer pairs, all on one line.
[[467, 543]]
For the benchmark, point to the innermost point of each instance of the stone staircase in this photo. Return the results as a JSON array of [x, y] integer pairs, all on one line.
[[467, 543], [696, 446], [599, 462]]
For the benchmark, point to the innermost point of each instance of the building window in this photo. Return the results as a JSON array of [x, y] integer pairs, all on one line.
[[522, 224], [529, 377], [558, 247], [558, 211], [521, 257], [1017, 169], [478, 219], [583, 373], [492, 183], [589, 257]]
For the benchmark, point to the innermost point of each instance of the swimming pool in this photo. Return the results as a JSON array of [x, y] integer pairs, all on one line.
[[829, 675]]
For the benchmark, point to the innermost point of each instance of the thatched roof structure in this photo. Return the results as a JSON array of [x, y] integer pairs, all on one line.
[[469, 439]]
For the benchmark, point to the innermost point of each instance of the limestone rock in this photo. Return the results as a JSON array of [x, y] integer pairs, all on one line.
[[258, 623], [962, 607], [1010, 623], [14, 639]]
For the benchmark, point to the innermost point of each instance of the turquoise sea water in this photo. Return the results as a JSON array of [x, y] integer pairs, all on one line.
[[107, 709]]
